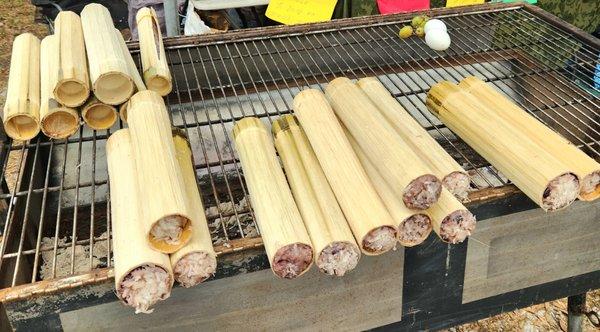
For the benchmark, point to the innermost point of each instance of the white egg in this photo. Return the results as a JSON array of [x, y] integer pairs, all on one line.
[[434, 24], [437, 40]]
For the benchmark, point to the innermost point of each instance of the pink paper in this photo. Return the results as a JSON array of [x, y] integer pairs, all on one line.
[[401, 6]]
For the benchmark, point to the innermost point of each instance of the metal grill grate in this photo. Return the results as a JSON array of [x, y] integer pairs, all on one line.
[[57, 217]]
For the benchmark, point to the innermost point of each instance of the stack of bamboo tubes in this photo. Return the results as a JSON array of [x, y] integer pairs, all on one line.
[[157, 209], [540, 163], [50, 84]]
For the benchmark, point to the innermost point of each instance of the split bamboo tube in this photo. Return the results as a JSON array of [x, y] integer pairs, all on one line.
[[453, 176], [372, 226], [333, 242], [22, 107], [72, 87], [154, 61], [284, 235], [98, 115], [56, 121], [408, 176], [167, 222], [109, 73], [133, 72], [142, 276], [584, 166], [197, 260], [540, 175]]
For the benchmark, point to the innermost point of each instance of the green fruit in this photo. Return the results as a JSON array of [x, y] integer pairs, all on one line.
[[405, 32], [419, 21], [420, 32]]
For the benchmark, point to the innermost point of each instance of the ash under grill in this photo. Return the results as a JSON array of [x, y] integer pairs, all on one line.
[[58, 216]]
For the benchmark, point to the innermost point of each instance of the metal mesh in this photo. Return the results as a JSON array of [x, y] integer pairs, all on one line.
[[57, 217]]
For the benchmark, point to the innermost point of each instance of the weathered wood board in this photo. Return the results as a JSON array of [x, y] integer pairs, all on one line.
[[367, 297], [531, 248]]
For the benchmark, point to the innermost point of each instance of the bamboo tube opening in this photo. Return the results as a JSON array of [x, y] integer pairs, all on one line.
[[143, 286], [113, 88], [194, 268], [590, 187], [157, 82], [422, 192], [292, 260], [414, 230], [98, 115], [71, 92], [123, 111], [457, 226], [379, 240], [170, 232], [21, 126], [60, 122], [338, 257], [458, 183], [560, 192]]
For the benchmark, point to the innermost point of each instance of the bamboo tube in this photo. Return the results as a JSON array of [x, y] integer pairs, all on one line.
[[57, 121], [286, 240], [372, 226], [453, 176], [408, 176], [154, 61], [22, 107], [451, 220], [133, 72], [98, 115], [583, 165], [109, 73], [167, 222], [542, 177], [142, 276], [414, 226], [332, 239], [72, 87], [197, 260]]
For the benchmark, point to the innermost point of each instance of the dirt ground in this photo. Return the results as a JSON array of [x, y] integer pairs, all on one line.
[[17, 16]]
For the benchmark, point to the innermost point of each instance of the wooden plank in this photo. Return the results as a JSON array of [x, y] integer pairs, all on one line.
[[531, 248], [367, 297]]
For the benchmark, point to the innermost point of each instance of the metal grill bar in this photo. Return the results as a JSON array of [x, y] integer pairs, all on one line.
[[57, 218]]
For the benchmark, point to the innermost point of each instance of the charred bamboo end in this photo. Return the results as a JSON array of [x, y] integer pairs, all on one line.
[[60, 122], [590, 187], [457, 226], [422, 192], [561, 192], [292, 260], [414, 230], [338, 258], [194, 268]]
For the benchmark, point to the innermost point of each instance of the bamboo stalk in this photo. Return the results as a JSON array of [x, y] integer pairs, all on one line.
[[372, 226], [453, 176], [167, 221], [540, 175], [583, 165], [57, 121], [451, 220], [197, 260], [142, 276], [408, 176], [332, 239], [22, 107], [98, 115], [72, 86], [413, 226], [284, 235], [133, 72], [109, 73], [154, 61]]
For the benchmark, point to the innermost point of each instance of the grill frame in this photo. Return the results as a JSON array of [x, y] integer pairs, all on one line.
[[31, 164]]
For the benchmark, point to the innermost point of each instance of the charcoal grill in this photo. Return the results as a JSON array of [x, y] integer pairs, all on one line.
[[55, 254]]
